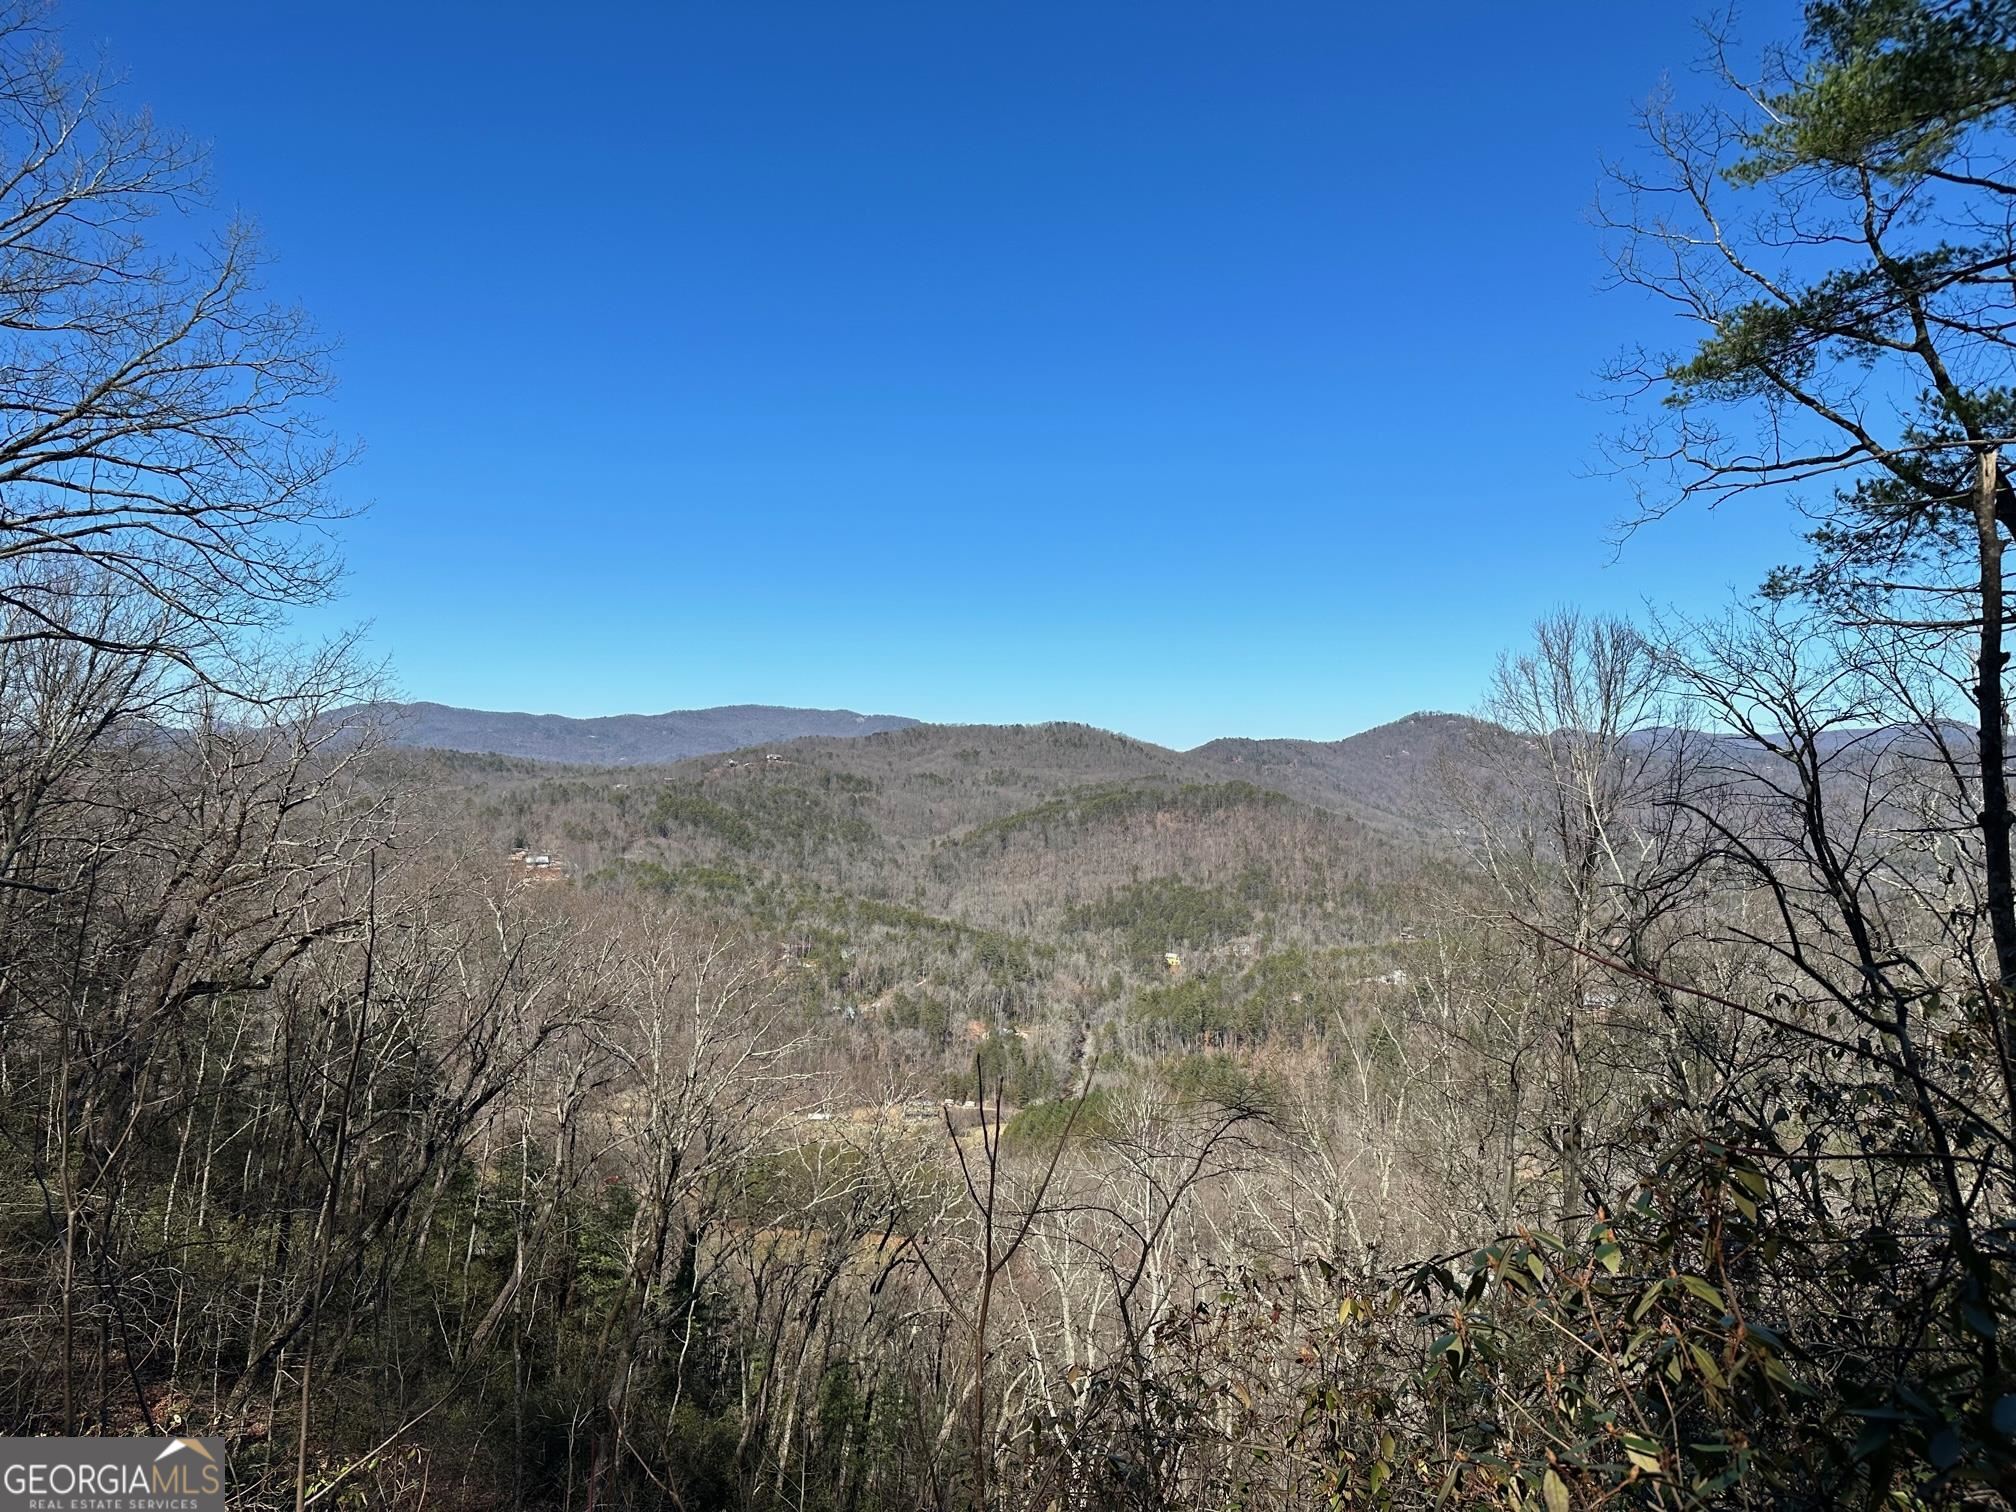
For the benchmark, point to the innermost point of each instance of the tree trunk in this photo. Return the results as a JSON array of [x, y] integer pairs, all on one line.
[[1990, 711], [1994, 818]]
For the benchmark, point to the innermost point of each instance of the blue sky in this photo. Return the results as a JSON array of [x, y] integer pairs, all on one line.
[[1185, 369]]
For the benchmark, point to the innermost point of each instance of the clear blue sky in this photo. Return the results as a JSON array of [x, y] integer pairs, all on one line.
[[1189, 369]]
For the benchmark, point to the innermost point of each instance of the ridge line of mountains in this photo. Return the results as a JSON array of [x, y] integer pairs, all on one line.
[[613, 739], [1383, 775], [679, 734]]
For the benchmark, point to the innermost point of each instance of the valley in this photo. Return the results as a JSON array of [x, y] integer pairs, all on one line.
[[942, 889]]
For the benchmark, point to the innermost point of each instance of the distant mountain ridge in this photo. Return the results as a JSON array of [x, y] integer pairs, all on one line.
[[1388, 776], [1390, 773], [616, 739]]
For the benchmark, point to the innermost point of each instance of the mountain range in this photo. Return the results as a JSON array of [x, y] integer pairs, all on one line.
[[1386, 777], [617, 739], [680, 734]]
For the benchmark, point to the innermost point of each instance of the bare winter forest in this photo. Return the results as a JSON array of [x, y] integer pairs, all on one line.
[[1605, 1100]]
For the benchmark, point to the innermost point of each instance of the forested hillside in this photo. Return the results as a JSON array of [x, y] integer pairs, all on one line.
[[1393, 776], [944, 886], [1607, 1100]]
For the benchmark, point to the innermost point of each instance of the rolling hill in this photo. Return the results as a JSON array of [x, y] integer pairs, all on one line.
[[1391, 775]]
